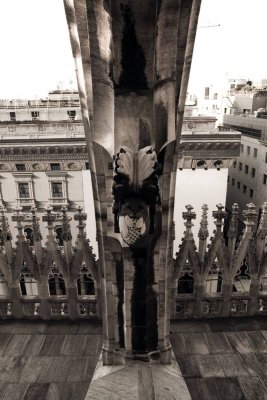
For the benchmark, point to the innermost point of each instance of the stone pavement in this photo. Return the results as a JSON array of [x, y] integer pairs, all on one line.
[[223, 359], [47, 360]]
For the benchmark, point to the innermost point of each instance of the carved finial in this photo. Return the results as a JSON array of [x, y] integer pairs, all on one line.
[[49, 217], [262, 229], [219, 216], [232, 232], [250, 214], [65, 224], [35, 225], [188, 216], [203, 231], [19, 218], [80, 217], [6, 234]]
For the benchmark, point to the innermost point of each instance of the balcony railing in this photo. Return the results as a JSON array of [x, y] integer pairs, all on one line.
[[219, 306], [47, 309]]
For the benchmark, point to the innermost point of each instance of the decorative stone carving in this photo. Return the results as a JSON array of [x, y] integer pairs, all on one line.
[[74, 166], [135, 192], [37, 167], [203, 231], [4, 167]]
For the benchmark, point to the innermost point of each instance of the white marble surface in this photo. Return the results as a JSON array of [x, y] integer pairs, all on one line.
[[138, 380]]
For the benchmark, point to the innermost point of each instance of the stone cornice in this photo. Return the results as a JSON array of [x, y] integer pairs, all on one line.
[[43, 152]]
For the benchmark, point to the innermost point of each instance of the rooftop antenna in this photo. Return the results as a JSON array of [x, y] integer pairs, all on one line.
[[209, 26]]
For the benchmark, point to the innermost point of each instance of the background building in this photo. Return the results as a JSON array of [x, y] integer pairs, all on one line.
[[247, 180], [44, 158], [206, 152]]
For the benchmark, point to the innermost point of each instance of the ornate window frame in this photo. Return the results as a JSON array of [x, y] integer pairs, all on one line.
[[28, 281], [24, 177], [57, 177]]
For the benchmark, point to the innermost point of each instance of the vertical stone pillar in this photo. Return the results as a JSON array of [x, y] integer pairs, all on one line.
[[227, 293], [127, 306], [200, 289], [253, 294], [98, 301], [43, 294], [15, 297], [116, 322], [72, 296], [108, 309]]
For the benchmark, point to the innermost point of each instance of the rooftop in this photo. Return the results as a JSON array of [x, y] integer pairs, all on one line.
[[220, 359]]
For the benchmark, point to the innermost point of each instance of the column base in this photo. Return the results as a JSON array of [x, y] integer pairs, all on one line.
[[138, 380]]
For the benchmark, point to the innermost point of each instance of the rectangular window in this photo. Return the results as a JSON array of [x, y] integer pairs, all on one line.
[[24, 192], [238, 185], [264, 179], [240, 166], [228, 179], [246, 169], [57, 189], [207, 93], [12, 116], [251, 193], [266, 157], [253, 172], [255, 153], [242, 148], [244, 189], [233, 182], [248, 150], [35, 115], [71, 115], [234, 164], [55, 166], [20, 167]]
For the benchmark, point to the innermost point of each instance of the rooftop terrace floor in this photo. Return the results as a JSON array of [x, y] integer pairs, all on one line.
[[220, 359]]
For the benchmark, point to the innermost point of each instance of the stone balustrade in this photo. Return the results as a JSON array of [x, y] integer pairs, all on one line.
[[57, 279], [224, 276], [228, 275]]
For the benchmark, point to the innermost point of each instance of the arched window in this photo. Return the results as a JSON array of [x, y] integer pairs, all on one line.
[[3, 285], [214, 279], [59, 236], [29, 236], [56, 282], [85, 283], [8, 237], [242, 279], [186, 280], [28, 285]]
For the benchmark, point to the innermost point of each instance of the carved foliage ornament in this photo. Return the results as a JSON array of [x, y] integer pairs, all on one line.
[[136, 192]]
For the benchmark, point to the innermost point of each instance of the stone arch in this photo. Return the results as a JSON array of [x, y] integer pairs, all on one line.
[[27, 282], [242, 279], [214, 278], [85, 282], [56, 282], [186, 280]]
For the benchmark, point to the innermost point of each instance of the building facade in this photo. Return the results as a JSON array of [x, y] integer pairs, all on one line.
[[43, 153], [247, 181]]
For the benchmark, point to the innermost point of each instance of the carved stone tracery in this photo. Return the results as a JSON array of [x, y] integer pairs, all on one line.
[[136, 193]]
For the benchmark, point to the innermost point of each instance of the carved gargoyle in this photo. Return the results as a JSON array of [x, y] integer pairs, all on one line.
[[136, 193]]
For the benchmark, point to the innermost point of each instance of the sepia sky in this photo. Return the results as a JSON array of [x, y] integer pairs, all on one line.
[[36, 55]]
